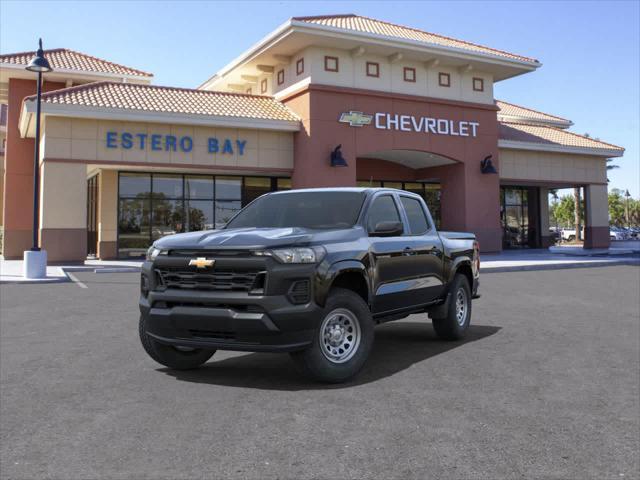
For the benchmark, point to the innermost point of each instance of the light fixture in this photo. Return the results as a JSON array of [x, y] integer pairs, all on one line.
[[39, 62], [486, 166], [337, 160]]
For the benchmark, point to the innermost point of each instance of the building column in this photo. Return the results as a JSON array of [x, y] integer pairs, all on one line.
[[469, 202], [312, 150], [18, 173], [63, 211], [596, 216], [107, 214], [546, 240]]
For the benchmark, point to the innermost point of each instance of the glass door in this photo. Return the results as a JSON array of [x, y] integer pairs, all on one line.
[[92, 216]]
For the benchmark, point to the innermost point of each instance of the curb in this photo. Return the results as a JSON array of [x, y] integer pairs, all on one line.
[[561, 266]]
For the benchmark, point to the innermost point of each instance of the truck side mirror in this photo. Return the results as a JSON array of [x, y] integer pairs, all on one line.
[[387, 229]]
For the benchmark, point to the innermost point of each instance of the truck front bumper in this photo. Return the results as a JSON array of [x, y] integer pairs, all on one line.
[[229, 320]]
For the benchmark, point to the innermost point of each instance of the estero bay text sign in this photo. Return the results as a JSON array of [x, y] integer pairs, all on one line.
[[171, 143]]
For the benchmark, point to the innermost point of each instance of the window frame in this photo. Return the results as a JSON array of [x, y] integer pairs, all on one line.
[[327, 59], [426, 213], [443, 75], [300, 66], [263, 85], [365, 216], [407, 70], [480, 82], [377, 67], [280, 76]]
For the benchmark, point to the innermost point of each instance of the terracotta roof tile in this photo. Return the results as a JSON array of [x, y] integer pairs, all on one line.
[[65, 59], [513, 110], [379, 27], [517, 132], [152, 98]]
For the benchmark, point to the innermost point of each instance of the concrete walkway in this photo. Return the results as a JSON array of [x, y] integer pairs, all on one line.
[[506, 261], [544, 259], [11, 270]]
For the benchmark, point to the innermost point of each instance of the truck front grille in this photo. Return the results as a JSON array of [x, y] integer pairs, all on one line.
[[212, 279]]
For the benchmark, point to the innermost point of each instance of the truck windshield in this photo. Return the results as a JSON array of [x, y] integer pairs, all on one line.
[[319, 210]]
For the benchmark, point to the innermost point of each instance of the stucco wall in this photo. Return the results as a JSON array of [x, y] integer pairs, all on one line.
[[352, 73], [551, 167], [85, 140]]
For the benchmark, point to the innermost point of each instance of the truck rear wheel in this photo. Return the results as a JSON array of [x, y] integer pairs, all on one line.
[[343, 339], [178, 358], [458, 313]]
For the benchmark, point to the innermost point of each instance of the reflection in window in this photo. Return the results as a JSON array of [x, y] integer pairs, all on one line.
[[200, 215], [133, 226], [254, 187], [200, 188], [151, 206], [228, 188], [167, 186], [225, 210], [167, 217], [135, 184], [284, 184]]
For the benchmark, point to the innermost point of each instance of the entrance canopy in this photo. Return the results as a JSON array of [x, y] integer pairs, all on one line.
[[410, 158]]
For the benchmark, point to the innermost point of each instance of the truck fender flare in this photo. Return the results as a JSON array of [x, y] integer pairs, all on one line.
[[455, 266], [336, 269]]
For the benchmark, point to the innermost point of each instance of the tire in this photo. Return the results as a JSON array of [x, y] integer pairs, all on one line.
[[337, 359], [170, 356], [453, 326], [571, 238]]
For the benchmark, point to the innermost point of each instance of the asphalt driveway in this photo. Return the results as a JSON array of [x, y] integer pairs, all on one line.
[[545, 386]]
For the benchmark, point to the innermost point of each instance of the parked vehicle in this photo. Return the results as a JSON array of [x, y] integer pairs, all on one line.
[[569, 234], [310, 272], [616, 233]]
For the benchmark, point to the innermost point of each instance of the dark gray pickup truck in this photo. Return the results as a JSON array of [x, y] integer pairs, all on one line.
[[310, 272]]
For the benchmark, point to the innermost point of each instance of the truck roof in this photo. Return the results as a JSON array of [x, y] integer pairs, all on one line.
[[340, 189]]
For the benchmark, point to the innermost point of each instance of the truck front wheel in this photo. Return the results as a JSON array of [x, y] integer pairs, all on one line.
[[178, 358], [457, 317], [343, 339]]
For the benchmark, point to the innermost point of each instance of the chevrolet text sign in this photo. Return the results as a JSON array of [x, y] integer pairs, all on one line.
[[410, 123]]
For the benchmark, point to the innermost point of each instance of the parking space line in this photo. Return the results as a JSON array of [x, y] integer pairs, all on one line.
[[75, 280]]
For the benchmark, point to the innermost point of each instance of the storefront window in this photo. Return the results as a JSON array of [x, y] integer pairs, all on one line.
[[283, 184], [254, 187], [151, 206], [519, 219]]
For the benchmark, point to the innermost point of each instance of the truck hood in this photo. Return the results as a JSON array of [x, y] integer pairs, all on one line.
[[250, 238]]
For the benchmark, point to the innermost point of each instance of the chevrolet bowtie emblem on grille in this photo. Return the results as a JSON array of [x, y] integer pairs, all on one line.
[[356, 119], [201, 262]]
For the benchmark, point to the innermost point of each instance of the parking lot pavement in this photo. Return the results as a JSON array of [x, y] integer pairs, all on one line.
[[545, 386]]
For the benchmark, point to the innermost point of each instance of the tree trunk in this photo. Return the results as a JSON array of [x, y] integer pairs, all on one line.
[[576, 209]]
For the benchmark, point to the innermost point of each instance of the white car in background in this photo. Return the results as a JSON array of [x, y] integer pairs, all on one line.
[[617, 234]]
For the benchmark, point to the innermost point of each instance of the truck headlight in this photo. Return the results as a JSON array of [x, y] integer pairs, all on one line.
[[298, 255], [152, 253]]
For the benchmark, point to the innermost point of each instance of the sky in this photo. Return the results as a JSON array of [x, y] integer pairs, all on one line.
[[590, 51]]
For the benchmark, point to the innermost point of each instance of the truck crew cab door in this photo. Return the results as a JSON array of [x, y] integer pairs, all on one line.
[[391, 265], [426, 250]]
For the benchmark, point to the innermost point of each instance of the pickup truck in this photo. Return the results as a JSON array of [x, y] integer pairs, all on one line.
[[309, 272]]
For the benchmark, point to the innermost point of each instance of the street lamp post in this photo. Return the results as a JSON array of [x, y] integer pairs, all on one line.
[[35, 260]]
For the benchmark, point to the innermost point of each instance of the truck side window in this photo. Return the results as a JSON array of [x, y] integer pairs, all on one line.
[[383, 209], [415, 214]]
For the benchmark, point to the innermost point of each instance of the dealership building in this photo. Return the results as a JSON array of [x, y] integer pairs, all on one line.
[[338, 100]]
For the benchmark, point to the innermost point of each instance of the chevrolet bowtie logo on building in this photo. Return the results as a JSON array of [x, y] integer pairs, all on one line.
[[201, 262], [356, 119]]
